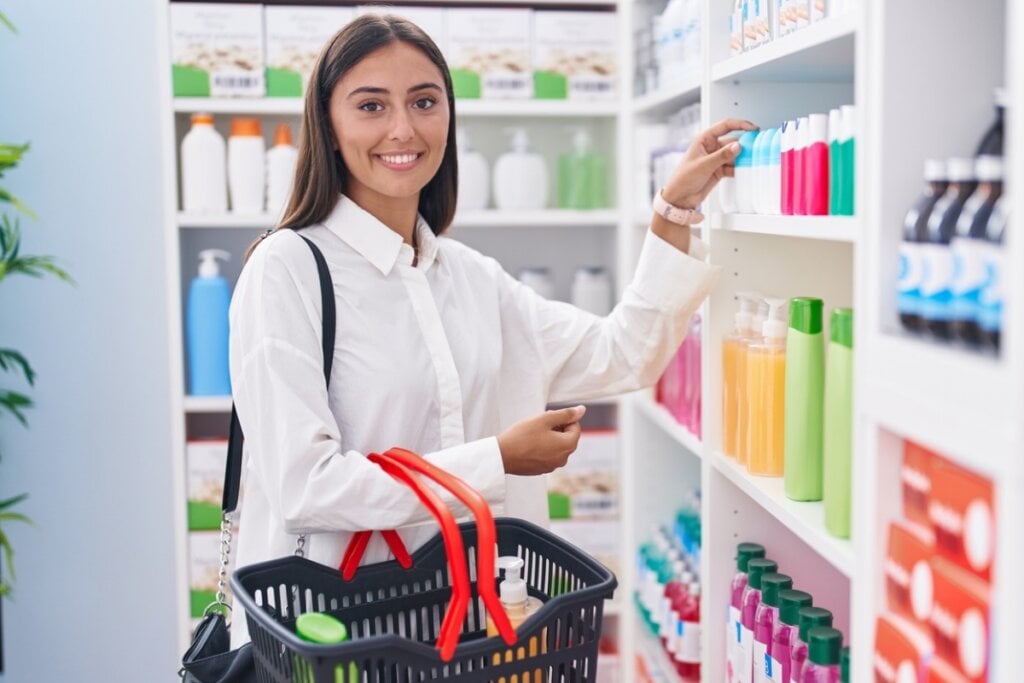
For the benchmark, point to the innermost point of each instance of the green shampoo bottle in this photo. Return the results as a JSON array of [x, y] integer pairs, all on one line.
[[838, 444], [805, 388]]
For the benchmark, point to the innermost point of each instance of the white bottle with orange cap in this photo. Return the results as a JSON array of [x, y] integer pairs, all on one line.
[[281, 160], [246, 166], [204, 186]]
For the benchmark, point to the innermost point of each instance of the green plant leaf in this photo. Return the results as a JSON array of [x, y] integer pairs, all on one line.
[[6, 196], [8, 551], [11, 502], [7, 22], [10, 155], [15, 403], [12, 263], [10, 359]]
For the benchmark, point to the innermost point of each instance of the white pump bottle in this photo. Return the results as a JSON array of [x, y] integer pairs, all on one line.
[[520, 176]]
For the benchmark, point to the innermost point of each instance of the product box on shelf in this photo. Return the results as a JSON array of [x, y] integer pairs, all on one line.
[[489, 53], [757, 24], [433, 20], [961, 511], [203, 569], [294, 38], [960, 619], [908, 572], [598, 537], [916, 477], [901, 649], [205, 460], [574, 55], [588, 486], [216, 50]]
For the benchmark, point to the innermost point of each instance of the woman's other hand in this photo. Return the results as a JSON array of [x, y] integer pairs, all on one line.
[[541, 444]]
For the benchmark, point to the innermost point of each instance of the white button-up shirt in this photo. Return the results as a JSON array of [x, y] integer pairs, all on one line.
[[438, 357]]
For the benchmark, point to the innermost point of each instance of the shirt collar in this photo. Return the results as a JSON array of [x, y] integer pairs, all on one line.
[[374, 241]]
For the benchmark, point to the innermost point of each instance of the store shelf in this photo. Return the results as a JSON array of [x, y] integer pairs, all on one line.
[[832, 228], [805, 520], [653, 664], [485, 108], [661, 103], [658, 414], [821, 52], [207, 404], [495, 218], [960, 402], [489, 218]]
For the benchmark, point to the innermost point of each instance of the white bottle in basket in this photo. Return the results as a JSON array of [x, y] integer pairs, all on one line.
[[519, 606]]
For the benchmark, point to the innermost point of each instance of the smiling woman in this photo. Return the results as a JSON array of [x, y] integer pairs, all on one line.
[[381, 88]]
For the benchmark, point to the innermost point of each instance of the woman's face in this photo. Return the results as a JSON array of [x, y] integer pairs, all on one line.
[[390, 119]]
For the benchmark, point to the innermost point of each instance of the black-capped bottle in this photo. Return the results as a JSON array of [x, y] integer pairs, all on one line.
[[936, 287], [970, 250], [990, 304], [992, 142], [912, 253]]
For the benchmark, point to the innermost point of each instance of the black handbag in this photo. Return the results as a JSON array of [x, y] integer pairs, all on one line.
[[209, 658]]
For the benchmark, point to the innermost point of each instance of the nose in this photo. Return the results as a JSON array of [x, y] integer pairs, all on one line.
[[401, 125]]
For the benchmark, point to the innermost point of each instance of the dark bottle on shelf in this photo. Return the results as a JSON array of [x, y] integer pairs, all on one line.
[[990, 305], [936, 286], [915, 235], [970, 249], [992, 142]]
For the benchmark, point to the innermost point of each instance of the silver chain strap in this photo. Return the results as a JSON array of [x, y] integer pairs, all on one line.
[[300, 546]]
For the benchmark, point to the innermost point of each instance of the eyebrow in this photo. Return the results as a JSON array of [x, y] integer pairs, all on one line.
[[384, 91]]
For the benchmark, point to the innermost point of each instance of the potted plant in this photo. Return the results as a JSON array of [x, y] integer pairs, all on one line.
[[14, 402]]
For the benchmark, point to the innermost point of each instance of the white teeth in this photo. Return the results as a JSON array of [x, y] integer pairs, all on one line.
[[399, 159]]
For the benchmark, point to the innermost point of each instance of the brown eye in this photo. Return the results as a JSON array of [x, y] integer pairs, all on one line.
[[425, 103], [372, 107]]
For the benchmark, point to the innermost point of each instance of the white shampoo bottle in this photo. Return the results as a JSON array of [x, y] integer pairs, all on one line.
[[474, 178], [520, 177]]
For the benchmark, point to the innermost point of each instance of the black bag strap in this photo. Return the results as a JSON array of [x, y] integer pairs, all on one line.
[[233, 470]]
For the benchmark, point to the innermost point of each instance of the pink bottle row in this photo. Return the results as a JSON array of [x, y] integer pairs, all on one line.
[[803, 168], [679, 388], [774, 633]]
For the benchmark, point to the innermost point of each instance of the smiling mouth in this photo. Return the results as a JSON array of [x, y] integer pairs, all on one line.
[[399, 161]]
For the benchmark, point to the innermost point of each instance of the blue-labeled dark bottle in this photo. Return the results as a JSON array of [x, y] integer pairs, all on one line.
[[970, 250], [992, 142], [912, 250], [937, 282], [990, 303]]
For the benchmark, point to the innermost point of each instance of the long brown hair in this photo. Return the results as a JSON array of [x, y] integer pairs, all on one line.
[[320, 173]]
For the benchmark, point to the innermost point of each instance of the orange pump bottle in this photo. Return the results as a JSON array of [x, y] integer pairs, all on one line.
[[766, 401], [733, 346]]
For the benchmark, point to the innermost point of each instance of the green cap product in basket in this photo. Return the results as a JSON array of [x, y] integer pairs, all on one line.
[[322, 629]]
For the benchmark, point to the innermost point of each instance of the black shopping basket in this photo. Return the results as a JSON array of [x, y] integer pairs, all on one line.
[[395, 614]]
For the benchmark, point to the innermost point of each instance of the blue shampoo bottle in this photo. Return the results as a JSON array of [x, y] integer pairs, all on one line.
[[209, 297]]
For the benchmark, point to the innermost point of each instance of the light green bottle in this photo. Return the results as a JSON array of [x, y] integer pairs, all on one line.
[[582, 177], [322, 629], [839, 423], [805, 388]]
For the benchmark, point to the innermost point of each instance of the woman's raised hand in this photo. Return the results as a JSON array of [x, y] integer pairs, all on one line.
[[541, 444]]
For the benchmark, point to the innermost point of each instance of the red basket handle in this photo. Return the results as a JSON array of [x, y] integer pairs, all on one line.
[[357, 546], [448, 638], [487, 537]]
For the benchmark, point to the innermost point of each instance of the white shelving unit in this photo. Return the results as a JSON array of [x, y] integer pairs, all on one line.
[[965, 405]]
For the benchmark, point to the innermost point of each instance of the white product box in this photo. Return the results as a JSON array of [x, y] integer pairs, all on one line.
[[588, 486], [294, 38], [204, 568], [205, 462], [599, 538], [433, 20], [490, 53], [217, 50], [574, 55]]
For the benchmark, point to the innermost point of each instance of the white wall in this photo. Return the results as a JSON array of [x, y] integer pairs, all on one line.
[[95, 594]]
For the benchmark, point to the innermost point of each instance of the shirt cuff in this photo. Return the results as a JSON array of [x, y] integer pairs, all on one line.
[[669, 278], [479, 464]]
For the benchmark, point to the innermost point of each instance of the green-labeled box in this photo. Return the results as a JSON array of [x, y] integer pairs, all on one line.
[[574, 55], [294, 38], [490, 53], [217, 50], [205, 460], [588, 486]]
